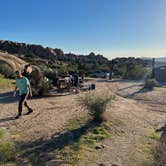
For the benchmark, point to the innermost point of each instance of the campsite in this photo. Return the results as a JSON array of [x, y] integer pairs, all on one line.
[[83, 83], [61, 132]]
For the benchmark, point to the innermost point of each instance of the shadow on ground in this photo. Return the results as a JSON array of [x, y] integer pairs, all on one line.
[[7, 119], [38, 152], [142, 90], [160, 151], [131, 95], [7, 97], [128, 87]]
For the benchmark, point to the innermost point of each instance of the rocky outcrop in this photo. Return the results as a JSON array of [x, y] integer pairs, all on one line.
[[35, 74], [13, 61], [38, 51]]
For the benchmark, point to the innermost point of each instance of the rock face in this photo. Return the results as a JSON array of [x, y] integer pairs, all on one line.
[[36, 76], [30, 50], [13, 61], [33, 50]]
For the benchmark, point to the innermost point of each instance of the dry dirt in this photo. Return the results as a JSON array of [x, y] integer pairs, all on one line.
[[135, 113]]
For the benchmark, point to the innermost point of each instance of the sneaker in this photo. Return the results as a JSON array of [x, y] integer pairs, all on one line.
[[29, 111], [17, 117]]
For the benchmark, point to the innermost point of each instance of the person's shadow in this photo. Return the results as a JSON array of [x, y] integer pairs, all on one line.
[[7, 97], [37, 152], [7, 119]]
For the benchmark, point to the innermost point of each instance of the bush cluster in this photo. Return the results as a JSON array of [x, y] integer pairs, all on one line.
[[6, 70], [150, 83], [7, 148], [95, 104]]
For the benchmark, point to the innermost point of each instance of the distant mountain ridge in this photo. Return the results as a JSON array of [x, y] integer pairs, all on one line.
[[34, 50], [161, 59]]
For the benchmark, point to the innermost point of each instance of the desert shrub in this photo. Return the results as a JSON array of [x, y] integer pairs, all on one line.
[[44, 87], [6, 83], [135, 71], [7, 148], [62, 71], [52, 75], [95, 104], [31, 55], [150, 83], [6, 70]]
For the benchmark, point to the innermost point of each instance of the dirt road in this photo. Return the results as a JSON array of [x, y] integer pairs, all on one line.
[[136, 112]]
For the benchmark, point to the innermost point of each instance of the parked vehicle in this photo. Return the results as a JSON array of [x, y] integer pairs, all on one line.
[[99, 74]]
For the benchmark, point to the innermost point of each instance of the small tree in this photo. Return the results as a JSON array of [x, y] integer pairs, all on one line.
[[95, 104]]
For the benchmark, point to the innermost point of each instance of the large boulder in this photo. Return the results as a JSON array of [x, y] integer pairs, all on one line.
[[33, 72]]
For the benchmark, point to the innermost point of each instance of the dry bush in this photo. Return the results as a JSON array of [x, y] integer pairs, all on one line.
[[7, 148], [95, 104], [150, 83], [45, 87], [6, 70]]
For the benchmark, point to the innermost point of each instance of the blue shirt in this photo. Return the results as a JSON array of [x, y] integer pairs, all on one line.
[[23, 85]]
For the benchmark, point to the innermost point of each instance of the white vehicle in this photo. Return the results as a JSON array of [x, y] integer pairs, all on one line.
[[99, 74]]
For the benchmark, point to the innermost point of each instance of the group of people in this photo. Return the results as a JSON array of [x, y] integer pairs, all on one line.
[[73, 82]]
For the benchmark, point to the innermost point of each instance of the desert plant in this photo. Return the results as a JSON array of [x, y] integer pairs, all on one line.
[[6, 70], [135, 71], [95, 104], [7, 148], [150, 83], [45, 87], [51, 75], [62, 71]]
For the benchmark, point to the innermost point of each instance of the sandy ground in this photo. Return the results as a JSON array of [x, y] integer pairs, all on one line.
[[135, 111]]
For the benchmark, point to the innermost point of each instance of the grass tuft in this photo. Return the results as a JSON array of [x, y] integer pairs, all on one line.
[[7, 148], [87, 139], [5, 83], [154, 135]]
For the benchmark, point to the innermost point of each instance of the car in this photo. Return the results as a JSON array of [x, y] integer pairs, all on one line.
[[99, 74]]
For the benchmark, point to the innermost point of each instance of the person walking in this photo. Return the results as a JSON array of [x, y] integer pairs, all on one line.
[[23, 85]]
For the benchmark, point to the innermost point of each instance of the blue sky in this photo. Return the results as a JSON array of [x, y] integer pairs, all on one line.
[[109, 27]]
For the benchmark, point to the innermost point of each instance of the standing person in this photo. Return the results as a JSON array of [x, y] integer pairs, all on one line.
[[23, 85], [76, 81], [26, 73]]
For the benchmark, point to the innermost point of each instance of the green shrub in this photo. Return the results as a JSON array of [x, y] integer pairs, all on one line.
[[62, 71], [44, 87], [95, 104], [150, 83], [7, 148], [52, 75], [6, 70], [6, 83], [135, 71]]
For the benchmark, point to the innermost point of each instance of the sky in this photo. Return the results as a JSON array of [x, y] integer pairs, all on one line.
[[114, 28]]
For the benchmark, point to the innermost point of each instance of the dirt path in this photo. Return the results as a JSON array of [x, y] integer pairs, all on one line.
[[49, 117], [136, 113], [141, 113]]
